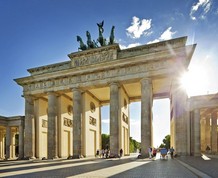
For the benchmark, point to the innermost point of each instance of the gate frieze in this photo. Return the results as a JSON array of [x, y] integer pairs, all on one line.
[[68, 82]]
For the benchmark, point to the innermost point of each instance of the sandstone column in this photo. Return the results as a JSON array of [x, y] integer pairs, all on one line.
[[52, 126], [77, 123], [1, 145], [2, 151], [8, 142], [203, 133], [214, 133], [146, 114], [208, 132], [179, 119], [21, 141], [196, 133], [114, 119], [29, 131], [13, 155]]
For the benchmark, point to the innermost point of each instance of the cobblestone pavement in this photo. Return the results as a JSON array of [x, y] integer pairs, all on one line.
[[97, 167], [205, 165]]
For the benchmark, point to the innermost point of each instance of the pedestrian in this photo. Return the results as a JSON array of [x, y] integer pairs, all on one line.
[[97, 153], [102, 153], [121, 152], [150, 152], [171, 152]]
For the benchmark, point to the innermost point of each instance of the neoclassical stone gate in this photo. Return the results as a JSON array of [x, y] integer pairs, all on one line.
[[63, 101]]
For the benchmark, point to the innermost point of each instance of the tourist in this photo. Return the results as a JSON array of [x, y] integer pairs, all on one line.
[[150, 152], [154, 152], [121, 152], [102, 152], [171, 152]]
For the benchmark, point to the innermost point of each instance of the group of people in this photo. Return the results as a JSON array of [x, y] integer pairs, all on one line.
[[153, 152], [105, 153]]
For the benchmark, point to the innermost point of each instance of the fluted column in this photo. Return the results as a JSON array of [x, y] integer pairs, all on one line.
[[146, 114], [208, 133], [114, 119], [21, 141], [77, 123], [52, 126], [214, 133], [8, 142], [203, 134], [29, 131], [196, 133], [1, 145], [2, 151]]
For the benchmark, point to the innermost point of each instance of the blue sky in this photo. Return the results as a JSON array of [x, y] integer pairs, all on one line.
[[40, 32]]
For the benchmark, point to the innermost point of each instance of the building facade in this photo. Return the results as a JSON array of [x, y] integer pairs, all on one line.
[[63, 101]]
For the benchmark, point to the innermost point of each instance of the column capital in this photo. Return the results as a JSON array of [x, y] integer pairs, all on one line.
[[29, 97], [76, 89], [146, 81], [114, 83], [53, 93]]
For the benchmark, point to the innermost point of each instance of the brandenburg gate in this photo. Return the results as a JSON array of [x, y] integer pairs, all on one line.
[[63, 103]]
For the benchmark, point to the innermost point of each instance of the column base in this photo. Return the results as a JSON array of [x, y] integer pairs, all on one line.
[[114, 156], [20, 158], [29, 158], [143, 156], [76, 157], [197, 154]]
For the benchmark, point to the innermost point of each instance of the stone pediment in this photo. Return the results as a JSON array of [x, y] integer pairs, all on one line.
[[94, 56], [110, 53]]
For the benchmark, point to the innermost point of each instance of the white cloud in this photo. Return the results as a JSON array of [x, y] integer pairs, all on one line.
[[166, 35], [138, 28], [105, 121], [135, 129], [129, 46], [154, 41], [205, 5]]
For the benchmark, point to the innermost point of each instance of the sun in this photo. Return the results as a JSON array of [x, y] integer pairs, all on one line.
[[195, 81]]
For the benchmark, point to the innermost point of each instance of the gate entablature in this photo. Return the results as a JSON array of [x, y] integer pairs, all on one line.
[[88, 68]]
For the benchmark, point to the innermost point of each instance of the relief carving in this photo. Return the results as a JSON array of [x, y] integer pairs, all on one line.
[[125, 118], [92, 59], [92, 121], [68, 122], [44, 123]]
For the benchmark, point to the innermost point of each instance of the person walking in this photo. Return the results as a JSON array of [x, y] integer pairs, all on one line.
[[150, 152], [171, 152], [121, 152]]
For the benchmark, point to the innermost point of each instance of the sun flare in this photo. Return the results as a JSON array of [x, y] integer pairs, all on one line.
[[195, 81]]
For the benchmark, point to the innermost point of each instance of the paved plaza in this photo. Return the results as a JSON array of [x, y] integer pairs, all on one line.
[[125, 167]]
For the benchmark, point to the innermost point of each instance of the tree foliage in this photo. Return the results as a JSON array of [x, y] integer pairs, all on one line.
[[133, 145], [105, 141], [166, 142]]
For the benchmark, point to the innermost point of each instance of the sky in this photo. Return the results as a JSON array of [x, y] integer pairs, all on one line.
[[40, 32]]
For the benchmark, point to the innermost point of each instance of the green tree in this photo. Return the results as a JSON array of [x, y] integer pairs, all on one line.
[[105, 141], [133, 145], [166, 142]]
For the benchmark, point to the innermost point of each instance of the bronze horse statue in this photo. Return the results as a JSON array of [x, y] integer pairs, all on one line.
[[82, 45], [111, 40], [101, 39], [90, 43]]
